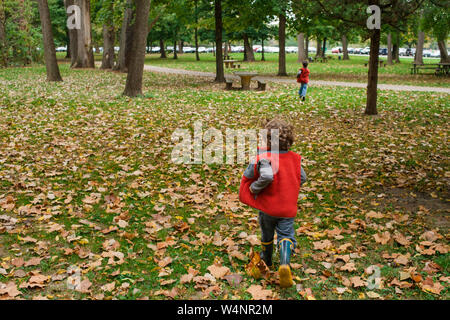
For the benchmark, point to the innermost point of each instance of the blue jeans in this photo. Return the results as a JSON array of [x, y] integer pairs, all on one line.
[[303, 88], [283, 226]]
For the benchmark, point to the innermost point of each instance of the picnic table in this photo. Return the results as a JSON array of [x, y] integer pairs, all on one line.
[[246, 78], [440, 68], [229, 63]]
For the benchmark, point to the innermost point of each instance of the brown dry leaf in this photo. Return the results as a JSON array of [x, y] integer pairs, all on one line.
[[33, 262], [108, 286], [429, 286], [84, 286], [164, 262], [17, 262], [258, 293], [402, 259], [324, 244], [233, 279], [350, 267], [373, 214], [357, 282], [431, 267], [382, 238], [10, 289], [401, 239], [257, 268], [430, 236], [218, 271]]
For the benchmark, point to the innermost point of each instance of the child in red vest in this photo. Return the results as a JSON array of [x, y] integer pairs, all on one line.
[[271, 184], [303, 79]]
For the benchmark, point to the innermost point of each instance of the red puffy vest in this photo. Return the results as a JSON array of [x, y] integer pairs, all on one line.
[[278, 199], [304, 76]]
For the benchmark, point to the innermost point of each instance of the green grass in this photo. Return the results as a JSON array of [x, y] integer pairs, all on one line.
[[81, 138], [334, 70]]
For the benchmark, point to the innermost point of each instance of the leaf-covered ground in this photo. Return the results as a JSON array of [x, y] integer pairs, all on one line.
[[92, 207]]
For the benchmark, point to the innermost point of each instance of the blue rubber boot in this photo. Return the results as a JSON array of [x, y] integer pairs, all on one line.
[[284, 272], [267, 252]]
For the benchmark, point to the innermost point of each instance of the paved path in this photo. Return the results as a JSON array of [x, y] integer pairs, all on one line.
[[293, 81]]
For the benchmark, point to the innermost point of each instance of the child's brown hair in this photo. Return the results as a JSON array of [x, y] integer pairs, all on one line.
[[286, 133]]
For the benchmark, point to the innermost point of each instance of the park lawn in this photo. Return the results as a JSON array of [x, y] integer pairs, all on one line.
[[352, 70], [86, 182]]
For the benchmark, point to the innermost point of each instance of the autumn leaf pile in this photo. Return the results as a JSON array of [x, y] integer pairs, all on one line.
[[91, 205]]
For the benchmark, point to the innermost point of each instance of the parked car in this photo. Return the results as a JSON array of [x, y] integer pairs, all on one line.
[[188, 50], [336, 50], [291, 49], [61, 49], [402, 51], [357, 51], [383, 51], [366, 50], [312, 49], [426, 53], [351, 50], [435, 54]]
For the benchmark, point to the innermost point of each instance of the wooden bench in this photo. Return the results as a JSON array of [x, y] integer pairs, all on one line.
[[262, 85], [435, 67], [229, 84]]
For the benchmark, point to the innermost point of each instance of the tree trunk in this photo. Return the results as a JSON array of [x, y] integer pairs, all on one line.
[[85, 56], [345, 48], [175, 52], [282, 46], [3, 46], [180, 47], [371, 103], [133, 86], [301, 47], [443, 50], [126, 36], [162, 49], [197, 55], [49, 45], [73, 38], [318, 50], [263, 58], [225, 50], [306, 46], [397, 48], [108, 47], [220, 75], [419, 48], [389, 49], [248, 49], [324, 48]]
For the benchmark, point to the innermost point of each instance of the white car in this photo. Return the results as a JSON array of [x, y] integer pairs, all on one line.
[[402, 51], [366, 50], [312, 49], [435, 54]]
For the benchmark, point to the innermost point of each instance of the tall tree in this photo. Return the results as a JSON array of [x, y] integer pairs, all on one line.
[[73, 38], [106, 17], [436, 20], [85, 52], [3, 44], [133, 86], [126, 36], [282, 40], [389, 49], [49, 45], [393, 13], [220, 74], [301, 55]]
